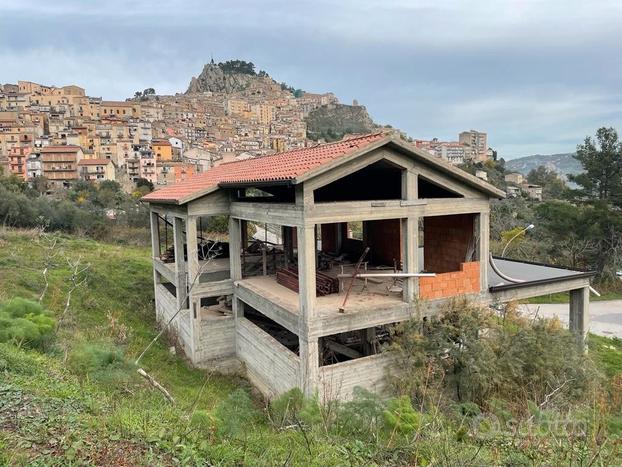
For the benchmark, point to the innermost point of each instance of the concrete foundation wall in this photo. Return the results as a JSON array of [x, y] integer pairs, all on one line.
[[270, 366], [339, 380], [166, 307], [216, 339]]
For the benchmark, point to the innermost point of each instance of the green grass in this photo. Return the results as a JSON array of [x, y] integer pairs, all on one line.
[[608, 352], [52, 415]]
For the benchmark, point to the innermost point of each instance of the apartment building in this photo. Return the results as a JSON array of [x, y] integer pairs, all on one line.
[[59, 164], [96, 170], [477, 141]]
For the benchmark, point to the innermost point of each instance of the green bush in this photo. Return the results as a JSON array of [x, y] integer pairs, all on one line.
[[401, 416], [469, 353], [25, 323], [285, 410], [101, 363], [236, 415]]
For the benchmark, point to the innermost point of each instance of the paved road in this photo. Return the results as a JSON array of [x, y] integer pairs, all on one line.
[[605, 316]]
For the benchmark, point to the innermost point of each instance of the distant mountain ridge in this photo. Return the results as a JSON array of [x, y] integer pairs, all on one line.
[[563, 164]]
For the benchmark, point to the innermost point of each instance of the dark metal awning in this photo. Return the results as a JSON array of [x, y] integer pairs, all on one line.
[[529, 272]]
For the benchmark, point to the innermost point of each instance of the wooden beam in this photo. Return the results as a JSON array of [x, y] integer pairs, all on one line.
[[342, 349]]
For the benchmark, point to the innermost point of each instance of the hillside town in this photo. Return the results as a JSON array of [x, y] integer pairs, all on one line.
[[64, 135], [61, 134]]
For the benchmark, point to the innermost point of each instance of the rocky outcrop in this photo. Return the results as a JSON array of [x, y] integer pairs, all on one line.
[[332, 122], [214, 79]]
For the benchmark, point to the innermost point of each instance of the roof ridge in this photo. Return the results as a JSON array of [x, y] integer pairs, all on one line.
[[316, 145]]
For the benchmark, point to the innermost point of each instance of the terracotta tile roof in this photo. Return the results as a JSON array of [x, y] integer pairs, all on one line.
[[279, 167], [94, 162], [62, 148]]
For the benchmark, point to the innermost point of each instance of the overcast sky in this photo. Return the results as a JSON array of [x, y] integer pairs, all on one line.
[[538, 76]]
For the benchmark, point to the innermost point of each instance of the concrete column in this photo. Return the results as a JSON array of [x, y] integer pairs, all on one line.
[[235, 248], [580, 314], [180, 265], [309, 365], [155, 253], [235, 267], [155, 235], [410, 236], [193, 250], [309, 358], [483, 248], [193, 279]]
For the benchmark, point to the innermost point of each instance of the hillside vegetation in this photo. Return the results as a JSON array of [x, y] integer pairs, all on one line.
[[561, 164], [332, 122], [78, 399]]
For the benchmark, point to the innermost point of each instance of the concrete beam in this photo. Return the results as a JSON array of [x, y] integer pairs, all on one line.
[[536, 290], [268, 213], [327, 324], [268, 306]]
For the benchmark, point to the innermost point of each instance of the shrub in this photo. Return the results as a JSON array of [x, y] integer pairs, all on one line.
[[101, 363], [400, 416], [24, 322], [360, 418], [285, 410], [236, 415], [471, 354]]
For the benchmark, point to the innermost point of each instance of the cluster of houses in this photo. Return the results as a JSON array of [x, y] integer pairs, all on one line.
[[472, 146], [518, 185], [62, 134]]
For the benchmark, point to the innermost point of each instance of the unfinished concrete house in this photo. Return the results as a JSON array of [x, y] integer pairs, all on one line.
[[296, 265]]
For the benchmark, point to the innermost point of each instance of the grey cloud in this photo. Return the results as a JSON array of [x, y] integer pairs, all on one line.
[[538, 76]]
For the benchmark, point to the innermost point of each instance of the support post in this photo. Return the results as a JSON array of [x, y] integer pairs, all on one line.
[[235, 267], [309, 353], [192, 248], [309, 365], [155, 235], [235, 248], [180, 266], [483, 248], [410, 260], [579, 318], [410, 237]]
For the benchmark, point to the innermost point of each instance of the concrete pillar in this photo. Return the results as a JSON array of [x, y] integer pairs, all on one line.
[[482, 222], [155, 253], [180, 265], [306, 273], [580, 314], [410, 260], [235, 248], [192, 246], [309, 358], [193, 279], [309, 365], [235, 267], [410, 236], [155, 235]]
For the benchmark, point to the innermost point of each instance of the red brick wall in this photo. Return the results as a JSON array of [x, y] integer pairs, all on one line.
[[384, 237], [450, 284], [329, 237], [445, 241]]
